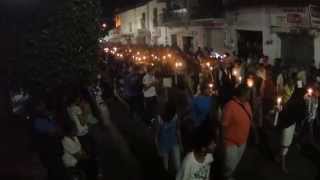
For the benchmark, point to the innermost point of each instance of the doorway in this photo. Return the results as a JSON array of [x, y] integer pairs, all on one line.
[[188, 43], [250, 44]]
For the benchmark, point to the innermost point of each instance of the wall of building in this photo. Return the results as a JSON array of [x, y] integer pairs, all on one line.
[[254, 19], [317, 50]]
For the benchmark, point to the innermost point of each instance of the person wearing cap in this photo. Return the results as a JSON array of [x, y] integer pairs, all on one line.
[[293, 112]]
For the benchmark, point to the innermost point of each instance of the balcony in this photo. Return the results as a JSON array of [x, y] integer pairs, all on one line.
[[174, 17]]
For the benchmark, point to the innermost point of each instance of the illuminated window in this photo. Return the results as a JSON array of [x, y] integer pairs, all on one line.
[[118, 21]]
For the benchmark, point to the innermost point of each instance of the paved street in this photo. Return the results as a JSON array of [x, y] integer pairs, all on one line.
[[128, 152]]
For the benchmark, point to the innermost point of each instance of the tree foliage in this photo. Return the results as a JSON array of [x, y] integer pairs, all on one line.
[[60, 48]]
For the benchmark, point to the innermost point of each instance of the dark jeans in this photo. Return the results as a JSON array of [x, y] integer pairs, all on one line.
[[150, 109]]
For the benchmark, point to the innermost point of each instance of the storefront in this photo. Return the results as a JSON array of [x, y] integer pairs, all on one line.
[[290, 33]]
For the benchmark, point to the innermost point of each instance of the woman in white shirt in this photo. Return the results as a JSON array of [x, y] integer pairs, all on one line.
[[74, 155]]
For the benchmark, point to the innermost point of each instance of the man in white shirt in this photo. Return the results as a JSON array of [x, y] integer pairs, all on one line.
[[150, 95]]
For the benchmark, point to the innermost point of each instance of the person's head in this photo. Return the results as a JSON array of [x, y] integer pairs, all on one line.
[[203, 142], [242, 92], [205, 89], [40, 107], [74, 100]]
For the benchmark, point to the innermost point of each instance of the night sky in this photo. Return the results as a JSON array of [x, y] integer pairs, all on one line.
[[109, 6]]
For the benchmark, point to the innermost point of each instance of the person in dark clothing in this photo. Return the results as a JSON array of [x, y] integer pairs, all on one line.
[[47, 141], [292, 114]]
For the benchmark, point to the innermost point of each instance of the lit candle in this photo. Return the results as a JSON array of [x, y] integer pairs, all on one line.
[[235, 72], [250, 83], [169, 55], [208, 64], [310, 91], [144, 57], [279, 101], [211, 85], [164, 57], [106, 50], [240, 79]]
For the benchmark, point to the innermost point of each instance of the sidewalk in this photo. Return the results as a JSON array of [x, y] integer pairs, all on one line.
[[259, 165]]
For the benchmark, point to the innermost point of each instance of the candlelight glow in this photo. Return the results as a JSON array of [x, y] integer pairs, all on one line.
[[310, 91], [235, 72], [250, 83], [279, 100]]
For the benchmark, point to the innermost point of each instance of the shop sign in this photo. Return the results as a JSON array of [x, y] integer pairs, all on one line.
[[289, 17]]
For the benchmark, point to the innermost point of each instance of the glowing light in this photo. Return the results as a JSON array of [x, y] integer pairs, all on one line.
[[250, 83], [235, 72], [144, 57], [179, 64], [106, 50], [169, 55], [279, 101], [138, 53], [115, 49], [310, 91], [164, 57], [240, 79], [211, 85], [208, 64], [104, 25], [211, 68]]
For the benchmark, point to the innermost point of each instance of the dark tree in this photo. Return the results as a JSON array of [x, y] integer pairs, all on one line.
[[60, 46]]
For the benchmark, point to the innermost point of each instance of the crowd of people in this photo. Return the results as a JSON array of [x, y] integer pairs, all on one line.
[[202, 104], [203, 108]]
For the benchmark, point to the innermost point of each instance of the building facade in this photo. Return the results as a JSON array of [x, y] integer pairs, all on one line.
[[290, 31], [168, 23]]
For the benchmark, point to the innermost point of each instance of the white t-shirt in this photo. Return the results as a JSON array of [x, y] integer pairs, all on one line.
[[280, 82], [71, 147], [193, 170], [147, 81], [74, 112]]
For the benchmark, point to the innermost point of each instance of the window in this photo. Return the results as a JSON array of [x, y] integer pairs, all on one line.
[[143, 21], [155, 17]]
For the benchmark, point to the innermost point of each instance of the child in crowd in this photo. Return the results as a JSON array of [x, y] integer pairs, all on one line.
[[196, 165], [168, 139]]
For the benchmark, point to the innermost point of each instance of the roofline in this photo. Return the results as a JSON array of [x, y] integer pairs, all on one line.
[[122, 10]]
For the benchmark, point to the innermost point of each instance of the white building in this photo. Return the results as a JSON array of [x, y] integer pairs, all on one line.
[[155, 23], [287, 32], [140, 24]]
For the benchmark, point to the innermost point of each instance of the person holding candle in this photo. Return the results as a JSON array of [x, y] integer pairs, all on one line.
[[292, 113], [150, 95]]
